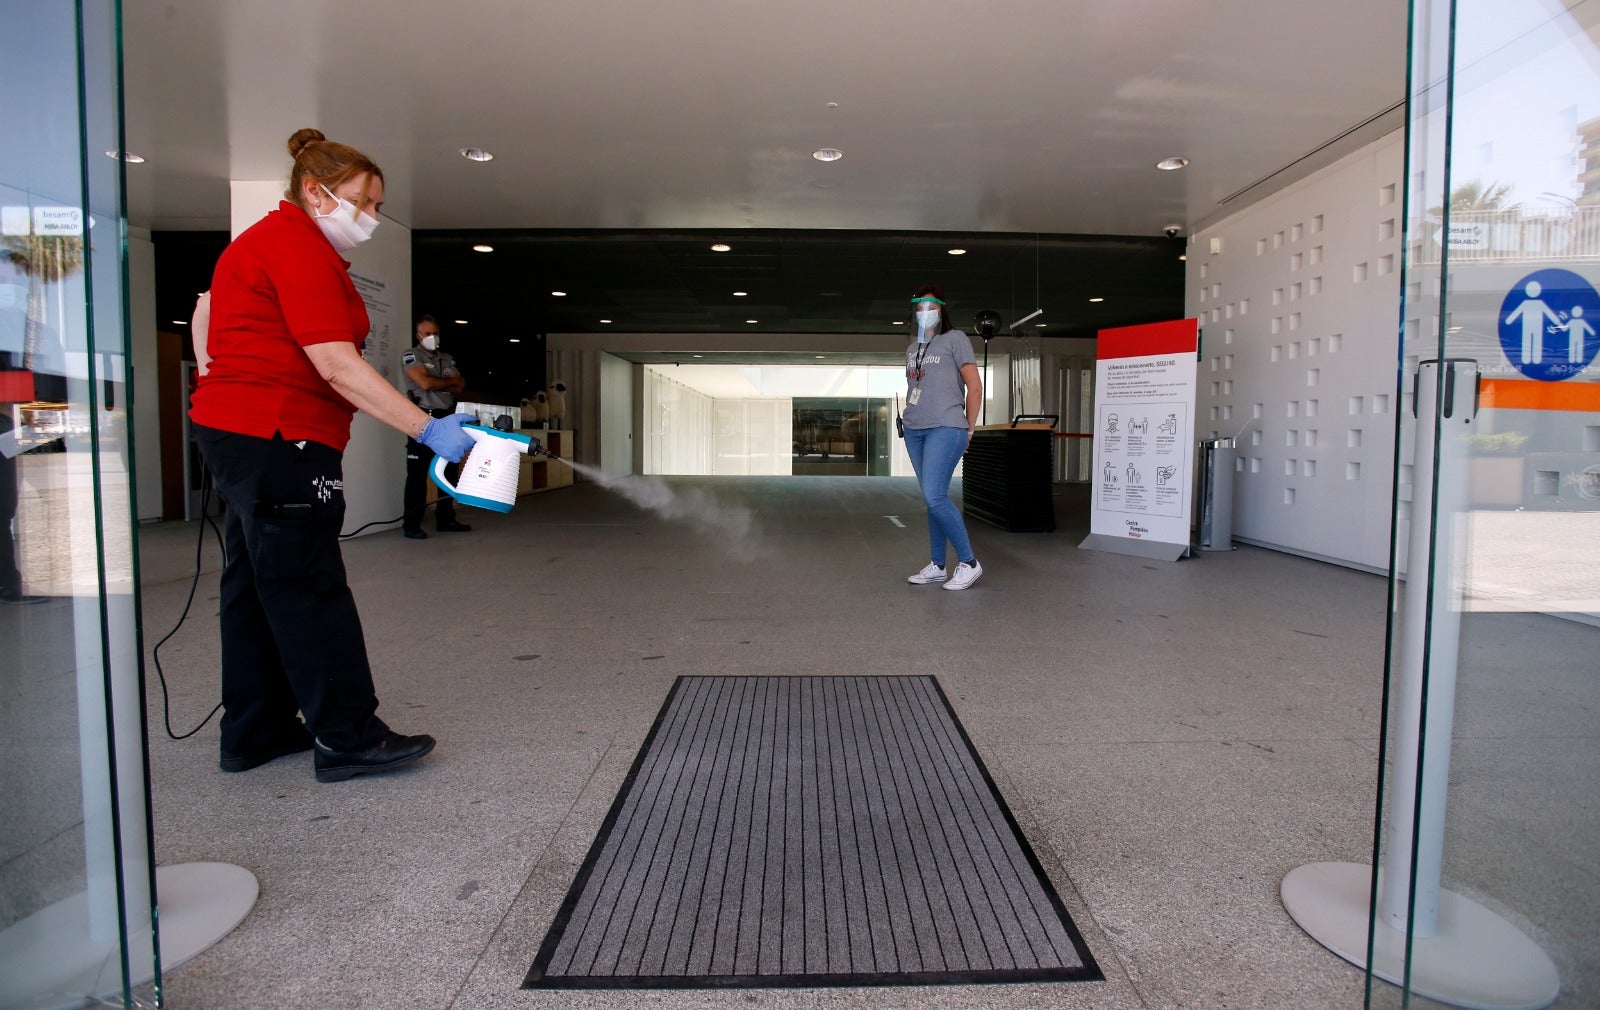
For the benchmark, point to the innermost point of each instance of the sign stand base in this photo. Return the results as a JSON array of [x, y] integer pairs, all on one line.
[[1156, 550]]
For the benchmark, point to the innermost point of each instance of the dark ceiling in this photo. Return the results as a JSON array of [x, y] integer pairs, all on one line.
[[797, 283]]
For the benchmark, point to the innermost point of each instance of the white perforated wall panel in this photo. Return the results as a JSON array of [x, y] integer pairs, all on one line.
[[1298, 299]]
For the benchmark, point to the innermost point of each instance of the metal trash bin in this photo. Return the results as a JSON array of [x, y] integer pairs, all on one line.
[[1215, 528]]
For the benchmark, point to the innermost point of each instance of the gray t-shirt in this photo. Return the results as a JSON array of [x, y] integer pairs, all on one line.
[[942, 402], [440, 366]]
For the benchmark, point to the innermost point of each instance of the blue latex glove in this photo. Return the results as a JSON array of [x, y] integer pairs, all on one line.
[[444, 436]]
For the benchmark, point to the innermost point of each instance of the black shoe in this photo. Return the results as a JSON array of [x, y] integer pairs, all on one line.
[[17, 596], [416, 535], [455, 528], [295, 740], [392, 751]]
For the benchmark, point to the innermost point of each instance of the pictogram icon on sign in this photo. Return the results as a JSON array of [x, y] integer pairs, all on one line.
[[1548, 325]]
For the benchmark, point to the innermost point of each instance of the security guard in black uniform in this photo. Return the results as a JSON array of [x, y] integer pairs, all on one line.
[[432, 381]]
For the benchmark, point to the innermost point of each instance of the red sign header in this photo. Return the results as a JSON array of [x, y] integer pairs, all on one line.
[[1180, 336]]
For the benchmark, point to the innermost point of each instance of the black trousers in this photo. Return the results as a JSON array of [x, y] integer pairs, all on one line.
[[419, 460], [291, 637]]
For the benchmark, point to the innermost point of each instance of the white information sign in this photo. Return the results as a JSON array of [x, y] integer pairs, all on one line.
[[1144, 454], [378, 348], [16, 220]]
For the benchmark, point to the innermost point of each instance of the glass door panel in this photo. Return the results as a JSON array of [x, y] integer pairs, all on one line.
[[76, 877], [1490, 798]]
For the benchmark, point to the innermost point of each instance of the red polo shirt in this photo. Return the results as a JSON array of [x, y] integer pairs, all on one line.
[[278, 288]]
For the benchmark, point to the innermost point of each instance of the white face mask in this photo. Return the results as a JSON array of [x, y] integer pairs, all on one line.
[[345, 227], [927, 321], [431, 342]]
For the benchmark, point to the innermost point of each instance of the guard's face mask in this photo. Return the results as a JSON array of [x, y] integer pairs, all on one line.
[[431, 342]]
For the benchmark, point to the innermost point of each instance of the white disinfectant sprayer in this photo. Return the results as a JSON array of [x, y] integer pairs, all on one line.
[[489, 473]]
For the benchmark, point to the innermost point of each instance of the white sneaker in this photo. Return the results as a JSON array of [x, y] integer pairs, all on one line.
[[965, 575], [932, 573]]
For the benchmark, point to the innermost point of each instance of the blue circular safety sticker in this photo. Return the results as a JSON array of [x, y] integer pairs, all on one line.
[[1549, 323]]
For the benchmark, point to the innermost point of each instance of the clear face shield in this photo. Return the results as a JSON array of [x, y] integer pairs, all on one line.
[[927, 313]]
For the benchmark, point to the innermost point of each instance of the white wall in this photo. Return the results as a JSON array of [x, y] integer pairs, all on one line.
[[580, 368], [616, 416], [1298, 298], [752, 436], [678, 424], [687, 431]]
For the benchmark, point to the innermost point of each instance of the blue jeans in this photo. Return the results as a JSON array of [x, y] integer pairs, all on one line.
[[934, 454]]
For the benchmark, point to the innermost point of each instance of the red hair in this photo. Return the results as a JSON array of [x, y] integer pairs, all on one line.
[[329, 163]]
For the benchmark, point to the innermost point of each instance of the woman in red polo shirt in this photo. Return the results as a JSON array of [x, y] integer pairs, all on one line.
[[272, 416]]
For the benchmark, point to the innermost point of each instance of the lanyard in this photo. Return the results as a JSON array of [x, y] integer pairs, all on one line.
[[922, 348]]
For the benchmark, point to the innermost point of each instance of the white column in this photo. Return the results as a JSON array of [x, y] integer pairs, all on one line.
[[252, 199], [145, 396]]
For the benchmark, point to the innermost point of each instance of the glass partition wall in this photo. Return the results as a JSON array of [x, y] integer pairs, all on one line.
[[76, 878], [1488, 887], [1484, 889]]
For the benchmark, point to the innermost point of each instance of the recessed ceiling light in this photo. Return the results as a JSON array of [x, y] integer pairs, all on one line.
[[480, 247], [822, 357], [1041, 325], [476, 154], [1183, 256], [605, 320], [1172, 164], [827, 154], [128, 156], [697, 355], [898, 322], [461, 322], [513, 340], [558, 294], [180, 322], [958, 252], [740, 294], [722, 247], [752, 321], [1097, 299]]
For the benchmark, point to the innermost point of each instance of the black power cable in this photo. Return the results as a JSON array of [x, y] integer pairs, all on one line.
[[194, 584], [383, 522]]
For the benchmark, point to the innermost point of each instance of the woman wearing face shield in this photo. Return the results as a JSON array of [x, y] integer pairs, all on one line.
[[943, 396], [280, 338]]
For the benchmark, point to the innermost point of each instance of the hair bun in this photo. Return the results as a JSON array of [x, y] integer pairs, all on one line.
[[303, 139]]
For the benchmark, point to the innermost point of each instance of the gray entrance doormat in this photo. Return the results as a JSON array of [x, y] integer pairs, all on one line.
[[808, 831]]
